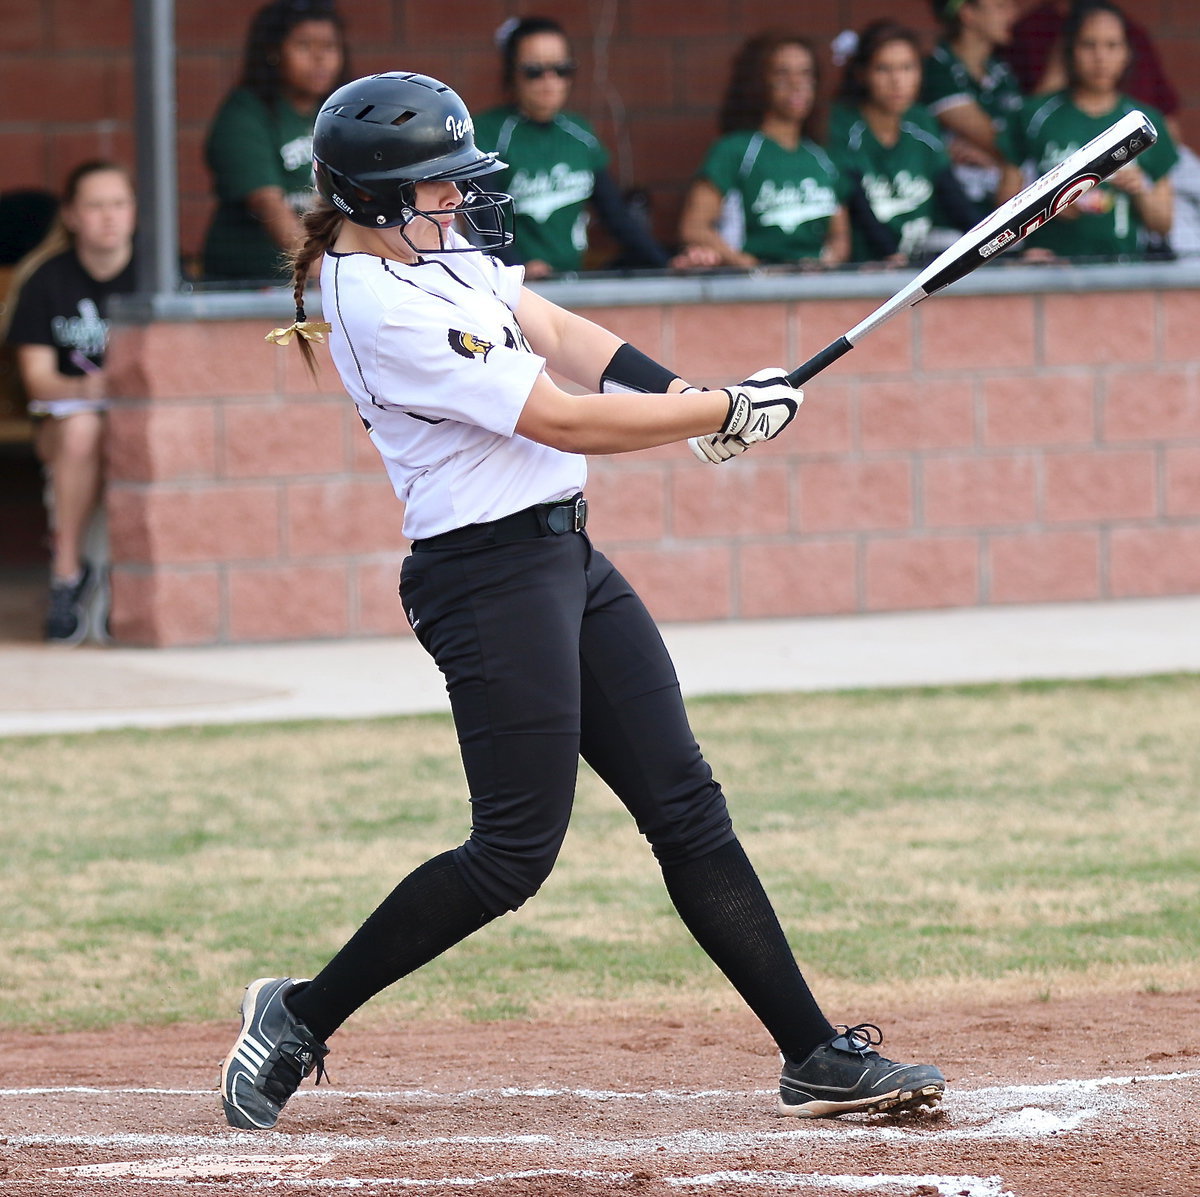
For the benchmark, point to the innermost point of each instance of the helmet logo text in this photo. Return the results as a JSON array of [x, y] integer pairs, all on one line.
[[459, 128]]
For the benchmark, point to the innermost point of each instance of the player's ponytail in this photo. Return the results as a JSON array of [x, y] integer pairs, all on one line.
[[321, 225]]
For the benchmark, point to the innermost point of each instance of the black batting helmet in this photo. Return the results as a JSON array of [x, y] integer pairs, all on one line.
[[376, 137]]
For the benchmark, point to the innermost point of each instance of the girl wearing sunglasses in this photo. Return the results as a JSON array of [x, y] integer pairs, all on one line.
[[558, 169]]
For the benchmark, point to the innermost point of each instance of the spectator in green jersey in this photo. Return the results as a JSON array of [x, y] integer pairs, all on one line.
[[259, 147], [1035, 53], [889, 146], [557, 168], [971, 91], [1116, 216], [766, 191]]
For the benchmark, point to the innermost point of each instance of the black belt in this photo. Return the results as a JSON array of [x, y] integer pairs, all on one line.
[[543, 519]]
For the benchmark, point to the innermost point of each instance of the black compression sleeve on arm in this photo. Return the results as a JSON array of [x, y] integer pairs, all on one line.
[[615, 216], [631, 370], [881, 241], [954, 202]]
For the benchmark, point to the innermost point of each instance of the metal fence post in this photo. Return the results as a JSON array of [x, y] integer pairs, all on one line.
[[158, 268]]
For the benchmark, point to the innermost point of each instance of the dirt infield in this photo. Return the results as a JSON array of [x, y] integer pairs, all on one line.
[[1089, 1097]]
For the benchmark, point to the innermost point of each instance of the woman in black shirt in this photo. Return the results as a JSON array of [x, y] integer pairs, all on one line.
[[60, 331]]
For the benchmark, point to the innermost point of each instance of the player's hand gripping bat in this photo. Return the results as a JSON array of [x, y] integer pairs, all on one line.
[[1029, 209]]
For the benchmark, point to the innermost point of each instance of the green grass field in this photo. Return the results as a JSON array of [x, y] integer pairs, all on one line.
[[1026, 840]]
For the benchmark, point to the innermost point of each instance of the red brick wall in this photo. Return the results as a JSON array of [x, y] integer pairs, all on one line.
[[988, 449], [66, 79]]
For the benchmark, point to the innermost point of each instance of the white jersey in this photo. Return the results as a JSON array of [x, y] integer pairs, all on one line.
[[432, 355]]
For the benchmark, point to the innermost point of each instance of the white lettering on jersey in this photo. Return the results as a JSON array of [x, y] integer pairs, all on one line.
[[892, 197], [87, 332], [793, 204], [914, 233], [297, 152], [541, 194]]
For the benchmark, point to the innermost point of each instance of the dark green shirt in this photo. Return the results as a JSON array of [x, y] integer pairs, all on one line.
[[898, 180], [250, 146], [783, 198], [946, 83], [551, 174]]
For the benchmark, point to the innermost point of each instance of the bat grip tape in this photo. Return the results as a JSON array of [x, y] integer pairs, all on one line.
[[819, 361]]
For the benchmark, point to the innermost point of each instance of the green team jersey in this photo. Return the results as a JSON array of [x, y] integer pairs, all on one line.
[[1104, 221], [251, 145], [946, 83], [899, 180], [782, 198], [551, 175]]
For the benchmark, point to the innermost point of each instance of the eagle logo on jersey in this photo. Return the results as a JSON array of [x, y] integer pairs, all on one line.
[[469, 345]]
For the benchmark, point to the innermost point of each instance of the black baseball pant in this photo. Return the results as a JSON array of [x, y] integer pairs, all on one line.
[[549, 655]]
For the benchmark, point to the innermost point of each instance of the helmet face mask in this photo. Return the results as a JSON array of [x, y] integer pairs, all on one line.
[[378, 137], [486, 217]]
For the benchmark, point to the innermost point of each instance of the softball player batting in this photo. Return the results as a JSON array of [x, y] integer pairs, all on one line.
[[547, 652]]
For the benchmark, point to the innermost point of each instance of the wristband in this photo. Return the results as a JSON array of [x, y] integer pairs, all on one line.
[[631, 370]]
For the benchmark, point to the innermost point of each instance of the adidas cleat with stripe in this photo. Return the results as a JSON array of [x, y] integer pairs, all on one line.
[[273, 1053], [847, 1076]]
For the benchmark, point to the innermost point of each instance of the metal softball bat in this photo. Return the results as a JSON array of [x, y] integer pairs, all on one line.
[[1029, 209]]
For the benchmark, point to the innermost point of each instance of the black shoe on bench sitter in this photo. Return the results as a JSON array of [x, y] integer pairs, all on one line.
[[845, 1075]]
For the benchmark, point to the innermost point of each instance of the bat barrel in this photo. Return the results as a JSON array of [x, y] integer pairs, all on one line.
[[1041, 201]]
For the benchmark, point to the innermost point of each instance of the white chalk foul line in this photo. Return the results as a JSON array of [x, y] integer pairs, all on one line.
[[292, 1169], [780, 1182], [325, 1092], [94, 1090], [1031, 1093], [351, 1144], [196, 1167], [184, 1174], [946, 1186]]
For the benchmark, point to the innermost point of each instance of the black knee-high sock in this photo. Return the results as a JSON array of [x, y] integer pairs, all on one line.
[[723, 904], [428, 912]]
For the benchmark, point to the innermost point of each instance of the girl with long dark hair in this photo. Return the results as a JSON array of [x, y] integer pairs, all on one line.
[[767, 192], [259, 147]]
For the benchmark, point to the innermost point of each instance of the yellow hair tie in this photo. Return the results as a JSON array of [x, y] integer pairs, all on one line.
[[310, 330]]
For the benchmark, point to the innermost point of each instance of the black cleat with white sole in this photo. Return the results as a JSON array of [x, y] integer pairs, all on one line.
[[273, 1053], [847, 1076]]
